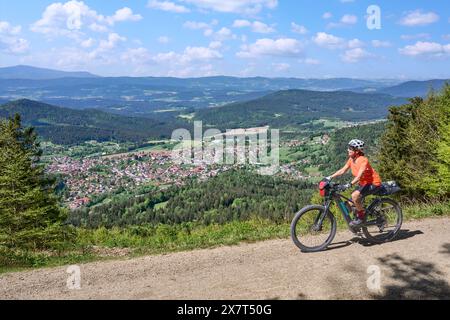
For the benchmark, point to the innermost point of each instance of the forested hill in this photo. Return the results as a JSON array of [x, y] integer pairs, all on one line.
[[293, 107], [68, 126], [415, 88]]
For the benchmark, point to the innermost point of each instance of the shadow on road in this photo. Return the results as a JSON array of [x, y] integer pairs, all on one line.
[[339, 245], [415, 280], [445, 249], [402, 235]]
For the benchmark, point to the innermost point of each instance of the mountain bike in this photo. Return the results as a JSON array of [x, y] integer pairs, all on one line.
[[313, 228]]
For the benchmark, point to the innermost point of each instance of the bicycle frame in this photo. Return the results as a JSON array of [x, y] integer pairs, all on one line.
[[340, 201]]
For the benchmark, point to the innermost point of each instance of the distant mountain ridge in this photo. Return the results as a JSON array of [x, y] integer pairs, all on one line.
[[34, 73], [68, 126], [142, 96]]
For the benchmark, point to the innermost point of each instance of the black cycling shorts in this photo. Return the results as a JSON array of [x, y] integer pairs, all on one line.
[[368, 189]]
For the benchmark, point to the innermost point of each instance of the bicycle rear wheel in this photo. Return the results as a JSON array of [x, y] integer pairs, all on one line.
[[383, 221], [307, 234]]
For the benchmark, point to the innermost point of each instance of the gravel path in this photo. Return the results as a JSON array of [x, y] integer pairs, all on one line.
[[417, 265]]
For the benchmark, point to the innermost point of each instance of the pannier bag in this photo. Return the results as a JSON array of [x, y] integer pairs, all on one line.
[[388, 188]]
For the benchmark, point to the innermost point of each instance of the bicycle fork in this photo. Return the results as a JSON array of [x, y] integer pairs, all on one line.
[[319, 219]]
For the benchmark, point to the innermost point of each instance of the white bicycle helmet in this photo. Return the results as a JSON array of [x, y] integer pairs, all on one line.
[[356, 144]]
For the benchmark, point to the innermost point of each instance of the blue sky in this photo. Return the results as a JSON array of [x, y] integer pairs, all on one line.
[[192, 38]]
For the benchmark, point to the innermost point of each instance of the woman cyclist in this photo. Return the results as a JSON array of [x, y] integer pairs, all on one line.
[[366, 177]]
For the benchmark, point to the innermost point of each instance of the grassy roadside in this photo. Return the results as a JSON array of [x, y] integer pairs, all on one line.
[[107, 244]]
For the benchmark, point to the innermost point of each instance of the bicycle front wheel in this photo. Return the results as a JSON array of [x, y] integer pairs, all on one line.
[[383, 221], [306, 232]]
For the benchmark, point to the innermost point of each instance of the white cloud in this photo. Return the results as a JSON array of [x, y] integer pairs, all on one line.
[[205, 70], [327, 15], [136, 56], [355, 43], [260, 27], [166, 57], [190, 54], [256, 26], [279, 67], [87, 43], [104, 50], [163, 39], [167, 6], [208, 32], [7, 28], [98, 28], [10, 41], [328, 41], [309, 61], [284, 47], [415, 36], [298, 28], [426, 49], [221, 35], [14, 46], [74, 58], [193, 61], [224, 34], [70, 18], [111, 43], [381, 44], [346, 20], [332, 42], [349, 19], [215, 45], [355, 55], [65, 19], [354, 48], [124, 14], [419, 18], [235, 6], [241, 23], [194, 25], [71, 58]]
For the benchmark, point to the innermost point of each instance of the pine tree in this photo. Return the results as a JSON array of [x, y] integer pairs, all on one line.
[[443, 166], [439, 183], [29, 214], [414, 149]]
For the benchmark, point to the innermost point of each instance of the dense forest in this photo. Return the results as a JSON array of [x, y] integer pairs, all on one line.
[[234, 195], [291, 108], [415, 148], [67, 126]]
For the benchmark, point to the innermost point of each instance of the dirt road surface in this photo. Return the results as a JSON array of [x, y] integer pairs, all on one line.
[[417, 265]]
